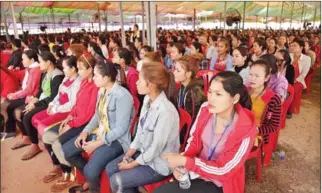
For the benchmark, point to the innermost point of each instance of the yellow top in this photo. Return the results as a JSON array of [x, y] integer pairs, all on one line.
[[102, 109]]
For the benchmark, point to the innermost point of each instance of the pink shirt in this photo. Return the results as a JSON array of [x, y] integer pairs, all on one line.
[[206, 137]]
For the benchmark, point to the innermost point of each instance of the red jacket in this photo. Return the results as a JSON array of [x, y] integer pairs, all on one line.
[[84, 107], [9, 83], [229, 168], [131, 79], [32, 86]]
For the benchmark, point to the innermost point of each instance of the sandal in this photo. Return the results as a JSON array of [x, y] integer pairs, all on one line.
[[78, 188], [30, 154], [62, 183], [54, 174], [19, 145]]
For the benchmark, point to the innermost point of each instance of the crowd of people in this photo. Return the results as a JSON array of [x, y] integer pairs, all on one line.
[[78, 95]]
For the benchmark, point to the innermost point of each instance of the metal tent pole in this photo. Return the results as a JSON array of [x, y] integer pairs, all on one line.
[[143, 29], [281, 18], [148, 26], [267, 7], [244, 15], [194, 19], [122, 25], [292, 15], [225, 15], [5, 24], [53, 18], [99, 17], [12, 11], [314, 17], [153, 22], [70, 24]]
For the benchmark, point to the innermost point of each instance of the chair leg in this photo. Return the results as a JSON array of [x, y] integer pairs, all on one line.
[[259, 168]]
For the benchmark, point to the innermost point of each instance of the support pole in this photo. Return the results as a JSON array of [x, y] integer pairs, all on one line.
[[292, 15], [244, 15], [225, 15], [281, 18], [122, 25], [5, 24], [194, 19], [70, 24], [99, 17], [143, 29], [53, 18], [106, 21], [267, 7], [220, 20], [148, 21], [302, 13], [314, 17], [12, 11], [153, 26], [29, 25], [21, 21]]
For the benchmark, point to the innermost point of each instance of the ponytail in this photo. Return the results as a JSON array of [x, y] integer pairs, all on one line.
[[156, 73], [245, 100]]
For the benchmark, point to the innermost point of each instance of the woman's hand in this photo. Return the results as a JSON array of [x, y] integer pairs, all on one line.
[[90, 146], [81, 139], [10, 96], [174, 160], [127, 166], [177, 173], [50, 107], [29, 108], [63, 129]]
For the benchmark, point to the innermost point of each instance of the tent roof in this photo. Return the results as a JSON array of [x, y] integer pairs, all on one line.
[[84, 11]]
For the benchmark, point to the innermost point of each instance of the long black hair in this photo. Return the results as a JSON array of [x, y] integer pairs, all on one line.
[[233, 84]]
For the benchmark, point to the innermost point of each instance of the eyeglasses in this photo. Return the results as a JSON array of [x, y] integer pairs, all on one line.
[[87, 60]]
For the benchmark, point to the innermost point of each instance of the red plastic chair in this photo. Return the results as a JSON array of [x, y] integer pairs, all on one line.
[[185, 119], [308, 80], [20, 74], [269, 148], [286, 104], [256, 152], [206, 76], [135, 119]]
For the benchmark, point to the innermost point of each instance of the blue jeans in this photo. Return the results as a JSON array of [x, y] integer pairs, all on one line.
[[93, 168], [127, 181]]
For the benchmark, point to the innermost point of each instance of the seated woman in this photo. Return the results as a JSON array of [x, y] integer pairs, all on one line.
[[220, 141], [277, 82], [196, 49], [29, 87], [191, 94], [302, 64], [107, 134], [222, 61], [241, 60], [259, 47], [266, 104], [123, 57], [72, 126], [64, 101], [284, 65], [158, 133], [48, 89]]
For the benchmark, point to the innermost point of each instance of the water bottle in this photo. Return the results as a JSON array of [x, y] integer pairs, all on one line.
[[184, 181], [282, 155]]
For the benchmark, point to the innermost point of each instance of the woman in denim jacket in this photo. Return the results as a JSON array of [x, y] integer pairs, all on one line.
[[107, 134], [158, 133]]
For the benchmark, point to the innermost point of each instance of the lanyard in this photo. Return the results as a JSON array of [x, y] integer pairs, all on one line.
[[212, 151], [181, 98]]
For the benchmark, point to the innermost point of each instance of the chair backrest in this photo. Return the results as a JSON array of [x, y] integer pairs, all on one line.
[[286, 104], [185, 119], [5, 56], [206, 76], [135, 118]]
